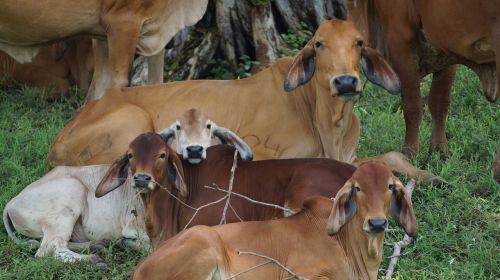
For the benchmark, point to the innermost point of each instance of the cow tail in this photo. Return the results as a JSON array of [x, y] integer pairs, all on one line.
[[9, 227]]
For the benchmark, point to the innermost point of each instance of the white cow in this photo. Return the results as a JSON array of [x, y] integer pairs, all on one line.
[[62, 210]]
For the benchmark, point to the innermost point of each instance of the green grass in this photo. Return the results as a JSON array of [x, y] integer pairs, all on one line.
[[459, 234]]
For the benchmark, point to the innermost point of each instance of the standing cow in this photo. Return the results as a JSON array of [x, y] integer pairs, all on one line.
[[121, 27]]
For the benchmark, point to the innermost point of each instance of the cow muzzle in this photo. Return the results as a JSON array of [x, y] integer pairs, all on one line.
[[195, 153], [376, 226], [143, 183], [346, 86]]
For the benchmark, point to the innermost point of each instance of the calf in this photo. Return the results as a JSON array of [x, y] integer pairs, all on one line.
[[356, 221], [167, 184]]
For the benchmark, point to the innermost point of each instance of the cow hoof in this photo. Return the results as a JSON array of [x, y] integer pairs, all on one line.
[[439, 182], [99, 262]]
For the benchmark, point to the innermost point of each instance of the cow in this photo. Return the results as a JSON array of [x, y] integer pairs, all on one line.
[[172, 188], [193, 132], [315, 119], [496, 167], [430, 37], [61, 208], [52, 68], [356, 221], [119, 29]]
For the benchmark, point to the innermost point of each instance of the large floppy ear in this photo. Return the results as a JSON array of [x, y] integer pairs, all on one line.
[[302, 68], [176, 173], [225, 136], [115, 177], [344, 208], [378, 71], [402, 209], [168, 134]]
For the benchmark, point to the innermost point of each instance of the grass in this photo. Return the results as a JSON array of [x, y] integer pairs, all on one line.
[[459, 234]]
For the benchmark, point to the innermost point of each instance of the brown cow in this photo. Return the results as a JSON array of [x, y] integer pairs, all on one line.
[[49, 70], [422, 37], [157, 171], [356, 219], [128, 26], [314, 120]]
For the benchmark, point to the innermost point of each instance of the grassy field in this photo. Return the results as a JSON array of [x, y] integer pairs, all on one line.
[[459, 234]]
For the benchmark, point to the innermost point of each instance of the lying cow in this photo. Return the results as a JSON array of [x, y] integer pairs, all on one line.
[[167, 183], [62, 206], [52, 67], [313, 120], [424, 37], [356, 221], [121, 28]]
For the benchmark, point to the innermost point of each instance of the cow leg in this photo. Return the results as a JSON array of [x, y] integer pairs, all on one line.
[[439, 103], [400, 164], [123, 36], [496, 167], [101, 79], [155, 67]]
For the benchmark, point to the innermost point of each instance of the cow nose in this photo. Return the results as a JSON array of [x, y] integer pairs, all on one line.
[[377, 225], [194, 151], [345, 84], [142, 180]]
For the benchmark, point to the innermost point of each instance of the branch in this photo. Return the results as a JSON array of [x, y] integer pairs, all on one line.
[[217, 188], [230, 188], [268, 261], [400, 244]]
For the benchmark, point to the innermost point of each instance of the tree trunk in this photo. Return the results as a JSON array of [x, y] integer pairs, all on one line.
[[235, 35]]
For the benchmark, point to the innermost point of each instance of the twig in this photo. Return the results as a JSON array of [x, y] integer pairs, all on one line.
[[201, 207], [217, 188], [230, 188], [400, 244], [269, 260]]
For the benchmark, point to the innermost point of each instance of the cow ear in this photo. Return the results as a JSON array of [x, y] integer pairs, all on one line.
[[302, 68], [176, 173], [402, 209], [168, 134], [117, 175], [344, 208], [378, 71], [225, 136]]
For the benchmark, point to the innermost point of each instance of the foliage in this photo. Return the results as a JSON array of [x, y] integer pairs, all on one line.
[[295, 42], [263, 3], [220, 69], [459, 235]]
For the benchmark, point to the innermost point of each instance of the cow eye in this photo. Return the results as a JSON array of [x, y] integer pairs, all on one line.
[[209, 126], [358, 188], [392, 186], [318, 44], [360, 43], [162, 155], [178, 127], [129, 156]]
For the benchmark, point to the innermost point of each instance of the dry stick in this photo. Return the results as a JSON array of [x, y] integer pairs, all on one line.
[[269, 260], [230, 188], [251, 200], [400, 244]]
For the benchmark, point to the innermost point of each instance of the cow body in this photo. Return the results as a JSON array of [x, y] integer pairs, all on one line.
[[128, 26], [430, 37], [356, 219], [62, 210], [314, 120], [283, 182]]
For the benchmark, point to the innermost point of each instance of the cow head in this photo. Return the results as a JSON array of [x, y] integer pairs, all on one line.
[[333, 57], [193, 132], [368, 196], [152, 164]]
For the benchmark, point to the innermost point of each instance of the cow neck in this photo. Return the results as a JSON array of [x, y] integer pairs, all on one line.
[[333, 118], [363, 252], [162, 212]]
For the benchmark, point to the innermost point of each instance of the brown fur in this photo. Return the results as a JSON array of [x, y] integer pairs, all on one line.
[[299, 242]]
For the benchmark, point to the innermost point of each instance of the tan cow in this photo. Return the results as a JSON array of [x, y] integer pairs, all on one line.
[[313, 120], [356, 221], [122, 27], [52, 68]]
